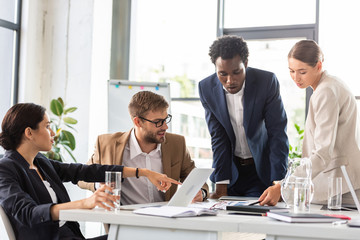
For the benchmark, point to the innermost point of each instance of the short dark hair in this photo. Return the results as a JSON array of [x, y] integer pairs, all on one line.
[[16, 120], [307, 51], [227, 47], [145, 101]]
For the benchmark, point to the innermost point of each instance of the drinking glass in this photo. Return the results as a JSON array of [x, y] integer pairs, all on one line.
[[302, 195], [113, 180], [334, 193]]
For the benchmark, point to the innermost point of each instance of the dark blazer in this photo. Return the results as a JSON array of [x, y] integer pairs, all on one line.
[[26, 200], [264, 123]]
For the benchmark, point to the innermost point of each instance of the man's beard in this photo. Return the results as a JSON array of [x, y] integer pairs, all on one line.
[[151, 137]]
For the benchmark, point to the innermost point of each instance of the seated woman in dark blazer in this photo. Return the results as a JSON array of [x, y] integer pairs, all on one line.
[[31, 188]]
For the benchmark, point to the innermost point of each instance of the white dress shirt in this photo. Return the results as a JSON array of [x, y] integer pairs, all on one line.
[[235, 105], [134, 190]]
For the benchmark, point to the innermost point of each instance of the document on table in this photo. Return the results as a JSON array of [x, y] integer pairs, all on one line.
[[174, 212]]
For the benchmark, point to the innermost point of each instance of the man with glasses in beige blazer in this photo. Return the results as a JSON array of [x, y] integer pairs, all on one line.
[[146, 145]]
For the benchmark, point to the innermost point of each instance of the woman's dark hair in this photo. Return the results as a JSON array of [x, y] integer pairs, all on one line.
[[16, 120], [227, 47], [307, 51]]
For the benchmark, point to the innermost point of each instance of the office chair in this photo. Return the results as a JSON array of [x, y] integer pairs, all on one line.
[[7, 224]]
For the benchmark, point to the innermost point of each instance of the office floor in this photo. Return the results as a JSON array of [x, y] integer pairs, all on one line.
[[242, 236]]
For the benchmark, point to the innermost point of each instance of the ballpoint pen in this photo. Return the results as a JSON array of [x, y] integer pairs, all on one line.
[[251, 204], [339, 222]]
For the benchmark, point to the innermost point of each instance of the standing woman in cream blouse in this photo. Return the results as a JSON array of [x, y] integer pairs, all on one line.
[[331, 137]]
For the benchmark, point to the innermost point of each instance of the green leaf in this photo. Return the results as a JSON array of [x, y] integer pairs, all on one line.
[[61, 101], [68, 136], [70, 153], [56, 149], [69, 126], [64, 142], [70, 110], [56, 107], [301, 132], [70, 120], [297, 127]]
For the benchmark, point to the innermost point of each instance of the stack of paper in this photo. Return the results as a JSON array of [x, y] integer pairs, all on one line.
[[302, 217], [171, 211]]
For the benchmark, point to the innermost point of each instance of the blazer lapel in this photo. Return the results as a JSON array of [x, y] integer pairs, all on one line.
[[222, 110], [165, 155], [166, 165], [250, 92], [119, 147]]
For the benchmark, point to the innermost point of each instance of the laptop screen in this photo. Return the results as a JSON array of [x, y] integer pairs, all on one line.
[[353, 194]]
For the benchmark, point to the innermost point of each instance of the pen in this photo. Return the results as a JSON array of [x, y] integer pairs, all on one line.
[[254, 203], [339, 222]]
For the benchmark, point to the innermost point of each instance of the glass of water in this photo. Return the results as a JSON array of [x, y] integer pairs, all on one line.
[[334, 193], [302, 195], [113, 180]]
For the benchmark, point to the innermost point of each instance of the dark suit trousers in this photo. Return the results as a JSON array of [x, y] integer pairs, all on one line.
[[248, 183]]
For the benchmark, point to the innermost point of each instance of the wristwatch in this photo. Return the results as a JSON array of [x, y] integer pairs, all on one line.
[[204, 194]]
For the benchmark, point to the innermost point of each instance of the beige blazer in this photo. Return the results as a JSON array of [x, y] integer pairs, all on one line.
[[331, 137], [176, 160]]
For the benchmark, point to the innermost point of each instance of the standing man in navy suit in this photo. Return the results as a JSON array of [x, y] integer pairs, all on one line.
[[247, 123]]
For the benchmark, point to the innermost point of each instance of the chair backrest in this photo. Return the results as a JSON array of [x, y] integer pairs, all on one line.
[[7, 224]]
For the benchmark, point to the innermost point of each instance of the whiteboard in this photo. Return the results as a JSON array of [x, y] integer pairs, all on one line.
[[120, 93]]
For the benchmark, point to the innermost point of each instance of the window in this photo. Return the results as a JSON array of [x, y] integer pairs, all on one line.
[[262, 13], [9, 53], [170, 41]]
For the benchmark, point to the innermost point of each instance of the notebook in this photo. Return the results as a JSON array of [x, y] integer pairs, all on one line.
[[175, 212], [355, 222], [301, 217]]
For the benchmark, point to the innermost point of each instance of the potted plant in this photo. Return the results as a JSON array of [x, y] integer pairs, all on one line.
[[62, 124], [295, 151]]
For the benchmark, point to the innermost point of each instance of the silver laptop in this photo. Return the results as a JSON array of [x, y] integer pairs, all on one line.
[[352, 191], [185, 193], [354, 222], [192, 184]]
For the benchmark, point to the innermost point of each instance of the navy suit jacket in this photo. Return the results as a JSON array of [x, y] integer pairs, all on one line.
[[264, 123], [26, 200]]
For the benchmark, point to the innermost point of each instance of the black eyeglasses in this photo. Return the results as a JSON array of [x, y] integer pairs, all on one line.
[[160, 122]]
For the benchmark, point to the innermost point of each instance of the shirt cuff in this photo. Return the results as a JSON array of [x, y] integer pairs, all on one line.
[[223, 182], [96, 186]]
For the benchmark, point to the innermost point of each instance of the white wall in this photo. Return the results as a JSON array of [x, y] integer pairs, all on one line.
[[56, 51], [65, 52]]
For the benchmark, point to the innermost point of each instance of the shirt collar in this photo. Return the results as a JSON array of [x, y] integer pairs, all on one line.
[[135, 149], [239, 93]]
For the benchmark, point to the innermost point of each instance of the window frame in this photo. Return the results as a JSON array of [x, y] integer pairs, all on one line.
[[16, 28]]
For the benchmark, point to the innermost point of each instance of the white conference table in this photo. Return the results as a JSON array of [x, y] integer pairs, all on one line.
[[124, 225]]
